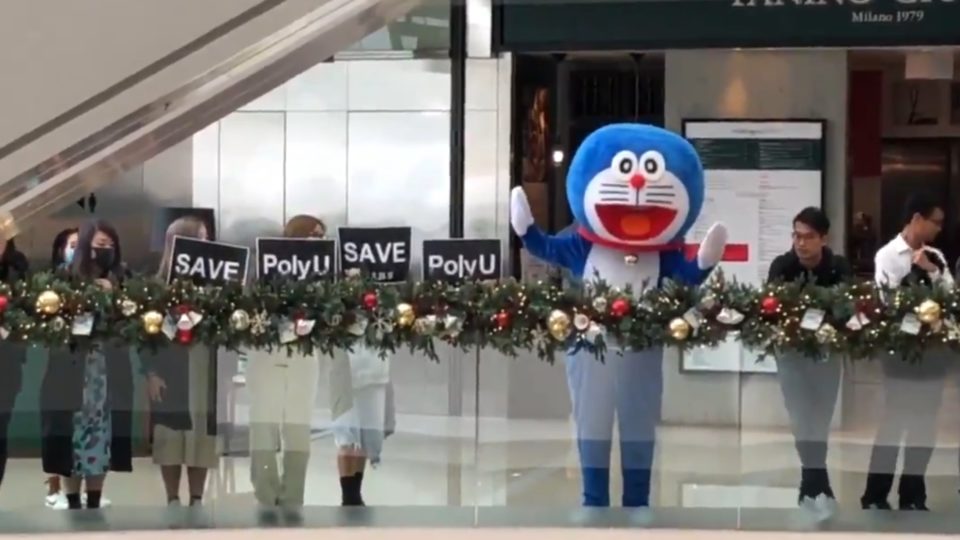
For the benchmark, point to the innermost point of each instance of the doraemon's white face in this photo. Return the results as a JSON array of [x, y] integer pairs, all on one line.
[[636, 200]]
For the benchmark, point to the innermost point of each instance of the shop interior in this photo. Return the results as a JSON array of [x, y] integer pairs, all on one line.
[[903, 132]]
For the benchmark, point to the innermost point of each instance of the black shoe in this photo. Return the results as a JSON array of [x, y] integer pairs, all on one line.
[[913, 492], [874, 505]]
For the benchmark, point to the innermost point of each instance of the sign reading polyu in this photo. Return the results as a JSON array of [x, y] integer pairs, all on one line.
[[207, 263], [296, 259], [678, 24], [461, 259]]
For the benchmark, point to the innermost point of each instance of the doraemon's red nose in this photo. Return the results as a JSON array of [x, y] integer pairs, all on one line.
[[638, 181]]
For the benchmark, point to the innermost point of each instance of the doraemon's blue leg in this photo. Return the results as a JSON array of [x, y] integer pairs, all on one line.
[[639, 393], [592, 394]]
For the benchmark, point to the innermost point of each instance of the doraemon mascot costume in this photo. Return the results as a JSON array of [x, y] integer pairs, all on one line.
[[635, 190]]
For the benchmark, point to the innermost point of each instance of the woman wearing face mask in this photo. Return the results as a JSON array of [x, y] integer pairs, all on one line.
[[86, 401], [178, 385], [64, 247], [283, 389]]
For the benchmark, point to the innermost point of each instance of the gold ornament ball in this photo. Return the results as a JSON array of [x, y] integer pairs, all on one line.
[[128, 307], [679, 329], [558, 324], [240, 320], [826, 333], [49, 303], [405, 314], [929, 312], [152, 322]]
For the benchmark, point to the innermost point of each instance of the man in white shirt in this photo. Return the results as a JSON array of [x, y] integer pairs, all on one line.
[[912, 392]]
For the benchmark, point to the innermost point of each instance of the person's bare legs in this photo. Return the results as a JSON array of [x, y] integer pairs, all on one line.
[[53, 485], [171, 482], [197, 482]]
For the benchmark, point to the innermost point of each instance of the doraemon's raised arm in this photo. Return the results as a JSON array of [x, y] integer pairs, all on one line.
[[568, 251], [635, 190]]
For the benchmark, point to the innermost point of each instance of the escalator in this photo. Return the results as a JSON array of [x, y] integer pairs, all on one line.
[[321, 29]]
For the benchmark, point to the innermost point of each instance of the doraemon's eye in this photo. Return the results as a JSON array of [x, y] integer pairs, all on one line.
[[625, 163], [652, 165]]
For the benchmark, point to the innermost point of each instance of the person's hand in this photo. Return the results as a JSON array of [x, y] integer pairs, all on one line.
[[521, 218], [104, 284], [156, 388], [712, 246], [920, 259]]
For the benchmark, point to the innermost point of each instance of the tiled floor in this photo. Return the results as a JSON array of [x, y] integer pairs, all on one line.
[[434, 462]]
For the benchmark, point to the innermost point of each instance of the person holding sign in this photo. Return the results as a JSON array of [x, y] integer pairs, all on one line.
[[361, 394], [912, 391], [810, 388], [178, 386], [283, 389], [86, 402]]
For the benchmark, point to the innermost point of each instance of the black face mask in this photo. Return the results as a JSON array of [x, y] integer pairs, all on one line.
[[103, 258]]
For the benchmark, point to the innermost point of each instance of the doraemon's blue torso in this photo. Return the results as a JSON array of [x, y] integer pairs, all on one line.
[[635, 190]]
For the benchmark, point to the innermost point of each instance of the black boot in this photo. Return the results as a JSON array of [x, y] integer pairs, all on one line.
[[913, 492], [350, 491], [876, 492]]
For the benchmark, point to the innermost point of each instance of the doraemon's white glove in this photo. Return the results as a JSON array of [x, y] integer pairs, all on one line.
[[521, 218], [712, 246]]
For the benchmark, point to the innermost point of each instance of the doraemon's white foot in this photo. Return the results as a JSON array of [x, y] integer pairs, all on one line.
[[711, 249]]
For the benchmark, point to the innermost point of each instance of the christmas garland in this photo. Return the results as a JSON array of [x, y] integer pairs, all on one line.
[[853, 320]]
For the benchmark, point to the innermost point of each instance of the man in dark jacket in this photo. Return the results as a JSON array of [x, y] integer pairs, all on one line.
[[810, 387]]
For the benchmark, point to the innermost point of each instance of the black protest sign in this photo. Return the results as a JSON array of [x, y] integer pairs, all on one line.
[[204, 263], [381, 253], [296, 259], [458, 260]]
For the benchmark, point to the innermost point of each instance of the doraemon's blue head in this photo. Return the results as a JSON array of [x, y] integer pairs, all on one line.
[[635, 184]]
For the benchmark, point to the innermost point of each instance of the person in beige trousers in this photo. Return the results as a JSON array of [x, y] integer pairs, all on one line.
[[283, 389], [179, 386]]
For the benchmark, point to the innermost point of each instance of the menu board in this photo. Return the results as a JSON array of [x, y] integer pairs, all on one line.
[[759, 175]]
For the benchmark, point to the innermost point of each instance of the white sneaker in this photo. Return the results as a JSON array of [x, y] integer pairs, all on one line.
[[56, 501], [821, 508]]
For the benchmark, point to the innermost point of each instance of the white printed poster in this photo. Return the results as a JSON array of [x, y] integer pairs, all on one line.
[[758, 175]]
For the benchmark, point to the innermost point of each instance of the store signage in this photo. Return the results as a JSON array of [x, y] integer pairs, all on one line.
[[381, 253], [298, 259], [456, 260], [207, 263], [664, 24]]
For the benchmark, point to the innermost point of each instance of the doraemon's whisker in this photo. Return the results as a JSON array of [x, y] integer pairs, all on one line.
[[615, 186], [668, 195], [662, 188], [614, 199], [614, 191]]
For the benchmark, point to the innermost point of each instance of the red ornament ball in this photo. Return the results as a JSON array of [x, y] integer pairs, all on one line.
[[370, 300], [185, 337], [620, 307], [4, 302], [503, 319], [183, 309], [770, 305]]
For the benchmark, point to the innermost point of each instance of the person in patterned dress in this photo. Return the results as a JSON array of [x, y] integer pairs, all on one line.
[[86, 400]]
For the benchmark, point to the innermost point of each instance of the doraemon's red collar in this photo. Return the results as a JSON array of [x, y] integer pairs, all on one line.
[[623, 246]]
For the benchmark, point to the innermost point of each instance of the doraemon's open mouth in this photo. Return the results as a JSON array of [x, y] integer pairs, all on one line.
[[629, 222]]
